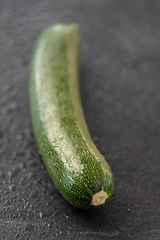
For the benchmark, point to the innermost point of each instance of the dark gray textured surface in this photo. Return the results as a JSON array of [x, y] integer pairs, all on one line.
[[120, 89]]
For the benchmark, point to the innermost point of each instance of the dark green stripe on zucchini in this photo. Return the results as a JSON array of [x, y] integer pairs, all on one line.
[[77, 168]]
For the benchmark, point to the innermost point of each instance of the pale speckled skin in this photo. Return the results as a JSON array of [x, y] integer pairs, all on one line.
[[77, 168]]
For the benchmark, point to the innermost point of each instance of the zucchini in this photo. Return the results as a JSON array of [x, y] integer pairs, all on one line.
[[77, 168]]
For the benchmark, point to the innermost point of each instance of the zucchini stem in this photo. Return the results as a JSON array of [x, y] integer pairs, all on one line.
[[99, 198]]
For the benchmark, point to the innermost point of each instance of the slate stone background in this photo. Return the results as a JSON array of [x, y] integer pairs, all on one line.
[[120, 90]]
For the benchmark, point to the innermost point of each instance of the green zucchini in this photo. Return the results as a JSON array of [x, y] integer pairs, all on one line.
[[77, 168]]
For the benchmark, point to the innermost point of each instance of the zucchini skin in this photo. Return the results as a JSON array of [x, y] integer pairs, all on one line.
[[76, 167]]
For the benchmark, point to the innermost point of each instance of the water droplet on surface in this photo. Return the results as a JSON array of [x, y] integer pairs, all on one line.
[[95, 139], [12, 187], [41, 215]]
